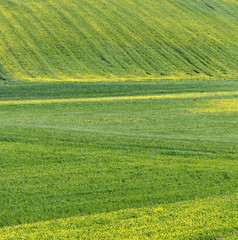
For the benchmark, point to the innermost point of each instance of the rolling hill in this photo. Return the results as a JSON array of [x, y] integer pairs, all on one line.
[[111, 39]]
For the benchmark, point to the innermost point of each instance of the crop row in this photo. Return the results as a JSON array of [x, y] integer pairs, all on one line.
[[76, 39]]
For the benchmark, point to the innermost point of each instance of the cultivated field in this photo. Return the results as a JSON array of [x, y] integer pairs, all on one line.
[[140, 160], [110, 39]]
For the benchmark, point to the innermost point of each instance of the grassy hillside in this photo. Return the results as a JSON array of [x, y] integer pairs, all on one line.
[[102, 39]]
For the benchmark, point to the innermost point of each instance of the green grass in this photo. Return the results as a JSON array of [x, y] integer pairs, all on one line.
[[90, 159], [78, 40], [63, 90]]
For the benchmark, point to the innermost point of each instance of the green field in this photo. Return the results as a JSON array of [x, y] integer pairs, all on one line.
[[132, 167], [110, 39], [119, 119]]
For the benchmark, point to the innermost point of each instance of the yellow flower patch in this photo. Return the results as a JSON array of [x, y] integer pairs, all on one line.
[[211, 218], [98, 99], [218, 106]]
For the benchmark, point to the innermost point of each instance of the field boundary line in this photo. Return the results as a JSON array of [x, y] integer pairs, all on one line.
[[121, 98]]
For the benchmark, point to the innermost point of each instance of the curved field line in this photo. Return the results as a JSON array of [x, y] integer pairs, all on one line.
[[98, 99]]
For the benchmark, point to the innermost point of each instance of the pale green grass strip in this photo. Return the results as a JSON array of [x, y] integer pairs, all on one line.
[[211, 218], [98, 99]]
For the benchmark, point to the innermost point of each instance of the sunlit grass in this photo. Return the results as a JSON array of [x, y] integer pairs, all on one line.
[[217, 106], [231, 105], [212, 218]]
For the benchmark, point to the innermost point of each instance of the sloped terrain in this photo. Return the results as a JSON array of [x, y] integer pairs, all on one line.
[[107, 39]]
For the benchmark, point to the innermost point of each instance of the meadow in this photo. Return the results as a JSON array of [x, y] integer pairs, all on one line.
[[139, 160]]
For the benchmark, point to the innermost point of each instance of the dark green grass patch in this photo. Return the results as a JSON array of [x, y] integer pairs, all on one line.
[[41, 90]]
